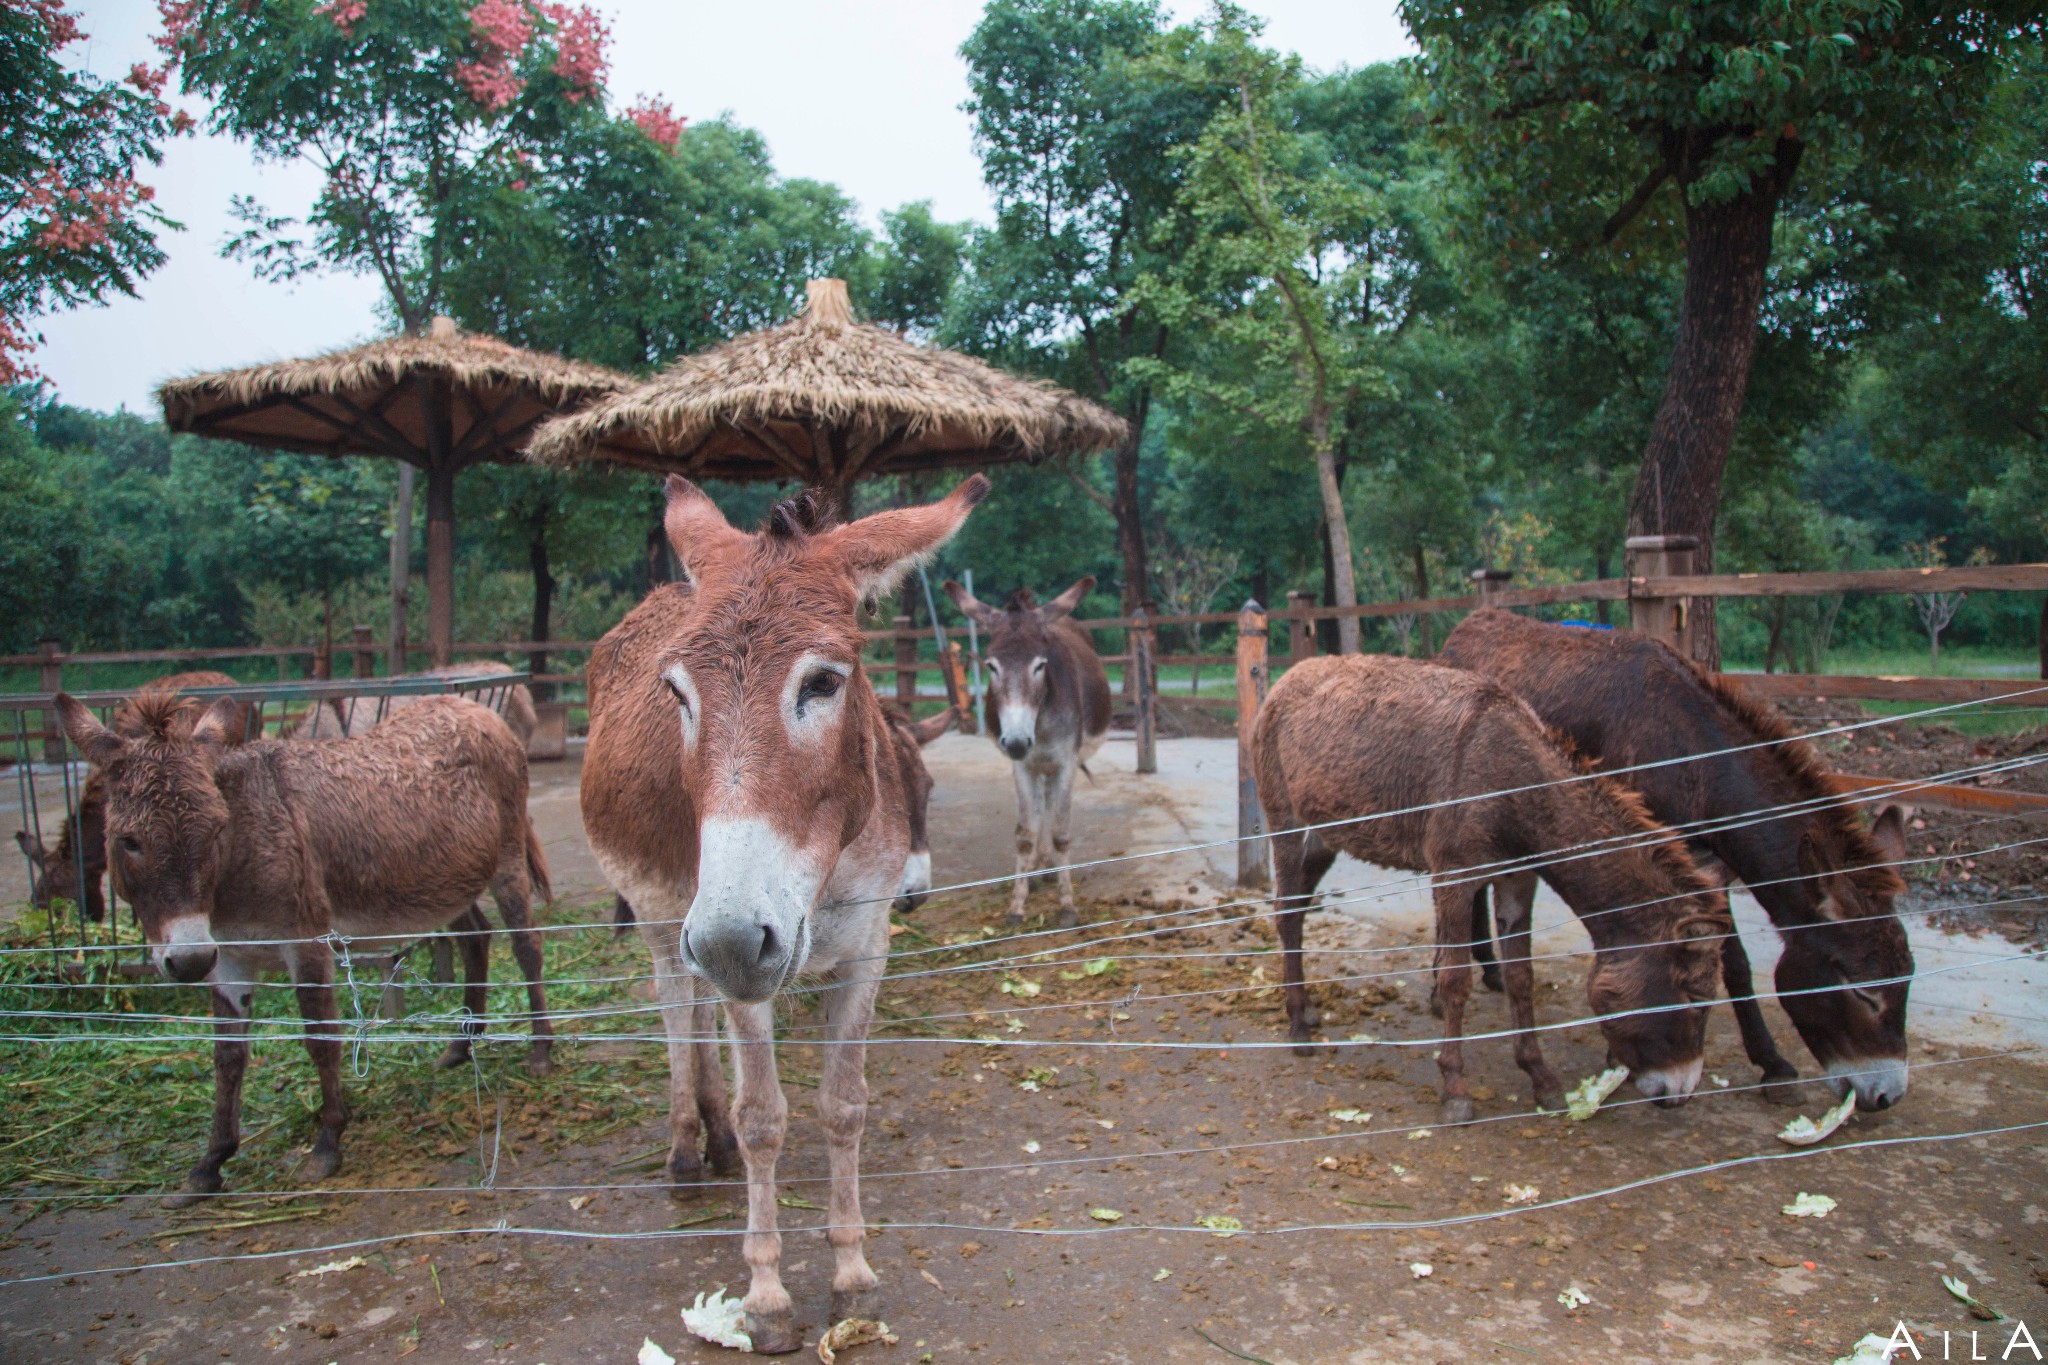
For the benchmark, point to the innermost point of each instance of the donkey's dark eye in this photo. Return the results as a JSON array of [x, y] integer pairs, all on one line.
[[682, 698], [130, 844], [821, 684]]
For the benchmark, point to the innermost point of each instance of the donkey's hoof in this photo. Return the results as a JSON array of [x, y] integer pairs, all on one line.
[[722, 1151], [1457, 1110], [1069, 917], [1489, 977], [321, 1162], [198, 1189], [541, 1060], [775, 1335], [856, 1303], [1783, 1087], [1312, 1015], [1551, 1100], [456, 1055], [1436, 1004], [1304, 1048]]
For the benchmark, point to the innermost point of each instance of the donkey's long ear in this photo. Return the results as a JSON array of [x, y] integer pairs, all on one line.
[[1888, 832], [929, 729], [1068, 600], [216, 724], [878, 550], [971, 606], [697, 530], [100, 745]]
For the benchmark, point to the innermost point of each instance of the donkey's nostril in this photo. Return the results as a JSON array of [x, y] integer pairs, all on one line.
[[189, 964], [768, 944]]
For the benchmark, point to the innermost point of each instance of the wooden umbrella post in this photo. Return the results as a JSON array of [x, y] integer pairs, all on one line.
[[401, 566], [1144, 722], [1252, 851]]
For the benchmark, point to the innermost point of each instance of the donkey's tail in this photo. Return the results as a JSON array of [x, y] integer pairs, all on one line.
[[537, 866]]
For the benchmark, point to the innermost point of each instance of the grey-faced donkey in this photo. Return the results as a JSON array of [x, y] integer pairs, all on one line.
[[1052, 710]]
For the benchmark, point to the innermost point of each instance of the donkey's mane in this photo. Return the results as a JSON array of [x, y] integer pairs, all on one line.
[[1802, 769], [796, 518], [1668, 852], [158, 713]]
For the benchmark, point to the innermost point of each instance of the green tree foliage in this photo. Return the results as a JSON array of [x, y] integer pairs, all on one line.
[[1076, 144], [1580, 120], [74, 223]]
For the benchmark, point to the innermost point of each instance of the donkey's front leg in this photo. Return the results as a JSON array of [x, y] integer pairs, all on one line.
[[231, 988], [1028, 822], [1060, 807], [1513, 900], [676, 990], [843, 1104], [763, 1116], [1453, 985], [312, 971]]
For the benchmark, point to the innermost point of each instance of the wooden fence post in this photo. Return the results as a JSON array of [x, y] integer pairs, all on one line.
[[52, 653], [1301, 632], [1491, 583], [906, 655], [956, 686], [1142, 654], [1662, 617], [1252, 869], [366, 651]]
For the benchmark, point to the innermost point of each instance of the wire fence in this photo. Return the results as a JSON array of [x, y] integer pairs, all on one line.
[[1033, 950]]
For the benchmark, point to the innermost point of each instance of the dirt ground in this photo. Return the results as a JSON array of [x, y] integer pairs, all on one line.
[[990, 1168]]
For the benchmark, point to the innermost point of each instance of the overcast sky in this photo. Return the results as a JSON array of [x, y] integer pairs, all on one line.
[[863, 93]]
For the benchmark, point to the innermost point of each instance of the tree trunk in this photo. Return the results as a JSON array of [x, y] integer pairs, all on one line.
[[1130, 522], [543, 600], [1678, 486], [1600, 565], [1339, 529], [1423, 618], [440, 564]]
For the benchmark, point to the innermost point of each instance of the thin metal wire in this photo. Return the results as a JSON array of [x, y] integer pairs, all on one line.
[[504, 1228]]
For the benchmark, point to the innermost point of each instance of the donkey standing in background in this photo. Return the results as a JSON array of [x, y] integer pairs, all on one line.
[[1052, 711], [742, 790], [242, 858], [76, 868], [1626, 699], [1352, 737], [345, 717]]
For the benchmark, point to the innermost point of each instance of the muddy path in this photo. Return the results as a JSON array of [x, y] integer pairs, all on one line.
[[997, 1149]]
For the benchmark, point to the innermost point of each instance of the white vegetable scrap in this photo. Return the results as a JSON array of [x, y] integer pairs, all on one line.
[[1574, 1298], [1031, 1148], [331, 1267], [1804, 1132], [1809, 1206], [1522, 1194], [1222, 1224], [1106, 1215], [1161, 1274], [1978, 1308], [1584, 1099], [717, 1319], [850, 1332], [1421, 1270], [1351, 1115], [650, 1354], [1872, 1350]]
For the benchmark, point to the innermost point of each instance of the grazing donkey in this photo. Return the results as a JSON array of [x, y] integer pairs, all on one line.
[[243, 858], [1626, 699], [344, 717], [1052, 711], [742, 790], [82, 843], [1342, 738]]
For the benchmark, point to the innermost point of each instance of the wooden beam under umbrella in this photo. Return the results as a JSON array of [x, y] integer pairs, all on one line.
[[439, 402]]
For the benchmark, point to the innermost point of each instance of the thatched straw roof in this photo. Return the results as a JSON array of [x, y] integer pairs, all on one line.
[[823, 399], [384, 398]]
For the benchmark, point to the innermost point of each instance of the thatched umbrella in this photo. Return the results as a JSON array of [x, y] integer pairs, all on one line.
[[825, 401], [439, 402]]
